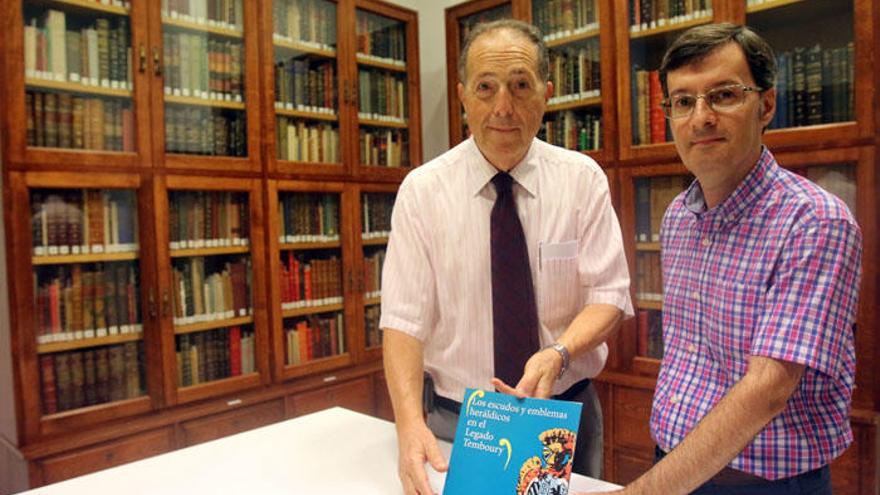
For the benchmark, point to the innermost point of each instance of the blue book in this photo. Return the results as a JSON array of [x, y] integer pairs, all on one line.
[[516, 446]]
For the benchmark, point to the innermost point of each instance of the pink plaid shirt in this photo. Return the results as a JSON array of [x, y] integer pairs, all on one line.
[[771, 271]]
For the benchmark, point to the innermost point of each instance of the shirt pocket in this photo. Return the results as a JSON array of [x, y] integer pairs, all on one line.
[[558, 287]]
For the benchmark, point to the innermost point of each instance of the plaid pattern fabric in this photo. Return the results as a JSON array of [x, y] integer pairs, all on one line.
[[771, 271]]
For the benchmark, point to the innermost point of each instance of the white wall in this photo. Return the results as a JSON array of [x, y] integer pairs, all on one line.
[[432, 62]]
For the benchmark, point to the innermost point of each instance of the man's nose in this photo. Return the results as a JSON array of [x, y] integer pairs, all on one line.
[[703, 113], [503, 102]]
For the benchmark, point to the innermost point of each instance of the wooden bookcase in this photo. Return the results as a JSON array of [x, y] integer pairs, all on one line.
[[155, 199], [837, 148]]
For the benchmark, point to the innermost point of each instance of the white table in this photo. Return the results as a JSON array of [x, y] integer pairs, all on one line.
[[329, 452]]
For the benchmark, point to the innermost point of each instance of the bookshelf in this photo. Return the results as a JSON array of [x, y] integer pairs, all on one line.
[[830, 136], [145, 187]]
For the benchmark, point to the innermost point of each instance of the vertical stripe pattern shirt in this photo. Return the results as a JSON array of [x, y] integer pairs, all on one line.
[[772, 271], [437, 280]]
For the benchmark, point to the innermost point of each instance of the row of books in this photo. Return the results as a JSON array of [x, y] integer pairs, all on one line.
[[381, 94], [574, 70], [561, 18], [384, 147], [814, 86], [468, 23], [377, 209], [203, 67], [649, 123], [70, 380], [381, 37], [308, 217], [373, 264], [649, 278], [303, 84], [372, 313], [75, 302], [200, 219], [82, 221], [651, 14], [216, 13], [211, 288], [310, 280], [649, 342], [314, 337], [310, 143], [653, 196], [205, 131], [581, 131], [214, 355], [62, 120], [310, 21], [94, 52]]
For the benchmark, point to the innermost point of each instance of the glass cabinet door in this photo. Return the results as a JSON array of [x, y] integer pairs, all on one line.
[[376, 210], [385, 109], [87, 308], [205, 78], [306, 82], [79, 70], [571, 31]]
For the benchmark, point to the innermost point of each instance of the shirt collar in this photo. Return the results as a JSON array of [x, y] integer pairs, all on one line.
[[480, 171], [744, 197]]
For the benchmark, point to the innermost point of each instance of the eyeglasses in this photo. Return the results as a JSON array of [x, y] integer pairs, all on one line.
[[720, 99]]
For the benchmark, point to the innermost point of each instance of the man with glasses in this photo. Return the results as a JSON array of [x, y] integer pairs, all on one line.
[[761, 273]]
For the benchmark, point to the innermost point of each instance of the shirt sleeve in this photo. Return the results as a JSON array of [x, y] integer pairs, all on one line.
[[408, 290], [602, 263], [810, 306]]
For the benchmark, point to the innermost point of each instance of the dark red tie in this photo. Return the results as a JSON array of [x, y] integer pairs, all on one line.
[[514, 314]]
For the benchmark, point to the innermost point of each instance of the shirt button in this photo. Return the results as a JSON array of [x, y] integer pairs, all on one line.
[[692, 348], [695, 295], [707, 242], [675, 399]]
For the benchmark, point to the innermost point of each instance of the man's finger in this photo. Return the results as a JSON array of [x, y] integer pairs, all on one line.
[[503, 387], [420, 479]]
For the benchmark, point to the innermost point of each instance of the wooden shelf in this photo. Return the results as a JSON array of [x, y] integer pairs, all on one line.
[[648, 304], [211, 325], [84, 343], [669, 28], [33, 82], [364, 60], [204, 102], [770, 4], [83, 6], [311, 310], [648, 246], [376, 241], [382, 123], [369, 301], [586, 102], [306, 115], [211, 251], [303, 47], [590, 33], [302, 246], [68, 259], [204, 28]]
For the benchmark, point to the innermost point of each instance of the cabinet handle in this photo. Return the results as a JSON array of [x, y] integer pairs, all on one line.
[[350, 280], [142, 66], [354, 93], [345, 95], [152, 306], [166, 304], [157, 62]]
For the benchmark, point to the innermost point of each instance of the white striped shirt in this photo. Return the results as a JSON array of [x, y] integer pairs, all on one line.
[[437, 281]]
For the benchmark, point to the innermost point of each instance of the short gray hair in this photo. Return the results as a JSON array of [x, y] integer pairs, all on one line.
[[524, 29]]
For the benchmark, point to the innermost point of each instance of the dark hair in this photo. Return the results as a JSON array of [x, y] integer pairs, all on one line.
[[696, 43], [526, 30]]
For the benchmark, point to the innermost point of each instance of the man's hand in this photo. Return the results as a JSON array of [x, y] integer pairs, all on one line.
[[538, 377], [417, 445]]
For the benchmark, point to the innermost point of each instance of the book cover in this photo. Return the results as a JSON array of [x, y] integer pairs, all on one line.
[[509, 445]]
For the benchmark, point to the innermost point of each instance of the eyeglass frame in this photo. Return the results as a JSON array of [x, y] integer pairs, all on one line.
[[666, 104]]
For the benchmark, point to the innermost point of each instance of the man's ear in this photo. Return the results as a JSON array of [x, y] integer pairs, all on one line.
[[768, 106], [460, 89], [549, 92]]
